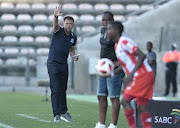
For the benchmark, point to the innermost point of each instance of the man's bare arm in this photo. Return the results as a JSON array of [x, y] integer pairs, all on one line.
[[57, 12], [73, 53]]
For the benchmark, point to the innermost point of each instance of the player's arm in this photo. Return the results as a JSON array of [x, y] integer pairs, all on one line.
[[116, 64], [72, 53], [141, 56], [57, 12], [140, 60], [118, 70]]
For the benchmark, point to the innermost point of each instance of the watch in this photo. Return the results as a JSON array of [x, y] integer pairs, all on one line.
[[55, 16]]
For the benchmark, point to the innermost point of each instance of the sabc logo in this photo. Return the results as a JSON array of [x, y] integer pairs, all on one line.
[[172, 119], [176, 114]]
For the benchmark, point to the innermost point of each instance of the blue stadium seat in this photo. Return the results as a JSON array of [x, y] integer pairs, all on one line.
[[26, 39], [98, 17], [52, 6], [69, 6], [9, 28], [119, 18], [25, 28], [85, 6], [12, 62], [42, 39], [10, 17], [23, 17], [101, 7], [10, 39], [132, 7], [41, 28], [118, 7], [87, 18], [11, 51], [42, 51], [38, 6], [146, 7], [23, 6], [7, 5], [88, 28], [40, 17], [27, 51]]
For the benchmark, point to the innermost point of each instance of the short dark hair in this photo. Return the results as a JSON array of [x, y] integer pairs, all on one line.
[[68, 18], [109, 13], [117, 25], [150, 43]]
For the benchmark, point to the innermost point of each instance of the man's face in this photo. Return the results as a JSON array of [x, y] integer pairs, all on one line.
[[106, 18], [148, 47], [110, 32], [68, 25], [172, 47]]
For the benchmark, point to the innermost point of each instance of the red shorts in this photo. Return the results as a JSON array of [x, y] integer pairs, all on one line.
[[141, 87], [139, 101]]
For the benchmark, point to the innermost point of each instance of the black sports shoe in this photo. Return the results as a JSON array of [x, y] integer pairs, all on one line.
[[166, 94], [57, 118], [66, 117], [174, 95]]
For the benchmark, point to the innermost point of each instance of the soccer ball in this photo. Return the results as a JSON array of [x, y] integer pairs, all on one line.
[[104, 67]]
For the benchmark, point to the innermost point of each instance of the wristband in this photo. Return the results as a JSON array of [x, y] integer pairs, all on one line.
[[55, 16], [75, 55], [112, 74]]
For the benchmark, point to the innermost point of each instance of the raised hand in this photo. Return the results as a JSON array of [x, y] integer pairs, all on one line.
[[57, 11]]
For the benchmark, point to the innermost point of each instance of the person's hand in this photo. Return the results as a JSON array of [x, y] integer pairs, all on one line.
[[57, 11], [127, 80], [106, 76], [76, 58]]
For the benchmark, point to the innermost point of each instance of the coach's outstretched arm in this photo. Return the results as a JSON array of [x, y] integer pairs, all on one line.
[[57, 12], [140, 60]]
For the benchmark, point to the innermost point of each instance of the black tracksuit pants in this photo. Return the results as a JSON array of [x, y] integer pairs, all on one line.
[[171, 73]]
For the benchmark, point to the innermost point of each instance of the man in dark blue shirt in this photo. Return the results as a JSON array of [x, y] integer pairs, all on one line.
[[62, 44]]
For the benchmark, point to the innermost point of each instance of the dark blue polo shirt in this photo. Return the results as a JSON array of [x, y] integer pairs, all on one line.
[[60, 45]]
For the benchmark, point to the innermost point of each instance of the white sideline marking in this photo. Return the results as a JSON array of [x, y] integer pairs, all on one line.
[[32, 117], [40, 114], [5, 126]]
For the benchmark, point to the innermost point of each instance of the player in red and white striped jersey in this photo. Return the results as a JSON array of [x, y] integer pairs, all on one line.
[[128, 60], [140, 77]]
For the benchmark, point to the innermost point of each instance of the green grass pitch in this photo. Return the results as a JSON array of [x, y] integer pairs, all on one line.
[[26, 110]]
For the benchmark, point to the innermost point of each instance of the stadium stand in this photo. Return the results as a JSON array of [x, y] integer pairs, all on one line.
[[85, 6], [7, 5], [26, 27], [22, 6], [9, 28]]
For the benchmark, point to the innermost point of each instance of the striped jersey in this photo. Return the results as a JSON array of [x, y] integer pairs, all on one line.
[[125, 49]]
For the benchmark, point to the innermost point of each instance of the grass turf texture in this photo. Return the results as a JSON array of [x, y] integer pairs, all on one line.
[[84, 113]]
